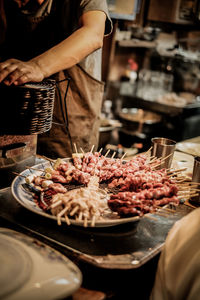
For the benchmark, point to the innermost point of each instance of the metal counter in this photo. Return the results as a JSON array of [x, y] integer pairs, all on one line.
[[126, 246]]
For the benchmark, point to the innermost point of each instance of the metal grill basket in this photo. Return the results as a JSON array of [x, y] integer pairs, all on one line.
[[27, 109]]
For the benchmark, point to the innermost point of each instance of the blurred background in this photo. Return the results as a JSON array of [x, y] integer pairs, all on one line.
[[151, 67]]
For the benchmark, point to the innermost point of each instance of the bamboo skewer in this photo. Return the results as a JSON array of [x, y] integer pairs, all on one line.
[[32, 168], [188, 196], [82, 150], [153, 160], [151, 157], [164, 158], [165, 208], [92, 149], [147, 152], [123, 156], [107, 152], [113, 155], [80, 216], [74, 210], [15, 173], [85, 222], [67, 220], [62, 212], [93, 221], [190, 183], [46, 158], [75, 148], [177, 171], [57, 203]]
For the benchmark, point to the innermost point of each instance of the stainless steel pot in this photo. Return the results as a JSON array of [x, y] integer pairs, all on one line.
[[138, 120]]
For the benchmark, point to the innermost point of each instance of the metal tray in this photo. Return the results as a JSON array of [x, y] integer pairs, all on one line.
[[126, 246]]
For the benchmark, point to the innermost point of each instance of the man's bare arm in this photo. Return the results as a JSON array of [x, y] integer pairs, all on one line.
[[69, 52]]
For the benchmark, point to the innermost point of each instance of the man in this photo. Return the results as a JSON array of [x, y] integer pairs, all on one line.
[[58, 39]]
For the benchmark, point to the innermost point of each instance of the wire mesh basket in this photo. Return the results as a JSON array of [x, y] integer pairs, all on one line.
[[27, 109]]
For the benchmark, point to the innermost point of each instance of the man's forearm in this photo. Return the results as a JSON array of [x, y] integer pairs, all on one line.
[[69, 52]]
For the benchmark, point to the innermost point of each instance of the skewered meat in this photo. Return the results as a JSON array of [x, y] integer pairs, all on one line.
[[140, 187]]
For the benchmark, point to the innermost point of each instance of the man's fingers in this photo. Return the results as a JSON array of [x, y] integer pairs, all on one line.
[[23, 79], [6, 71]]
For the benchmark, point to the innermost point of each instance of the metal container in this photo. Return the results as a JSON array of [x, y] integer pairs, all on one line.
[[163, 148], [139, 120]]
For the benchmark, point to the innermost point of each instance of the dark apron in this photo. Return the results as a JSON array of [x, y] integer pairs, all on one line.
[[84, 98]]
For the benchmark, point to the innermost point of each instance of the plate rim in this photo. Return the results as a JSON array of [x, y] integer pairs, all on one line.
[[27, 242], [101, 223]]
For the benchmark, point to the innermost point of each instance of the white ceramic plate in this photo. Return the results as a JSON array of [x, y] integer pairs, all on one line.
[[25, 199], [32, 270]]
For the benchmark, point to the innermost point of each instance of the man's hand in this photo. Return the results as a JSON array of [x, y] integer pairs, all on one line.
[[13, 71]]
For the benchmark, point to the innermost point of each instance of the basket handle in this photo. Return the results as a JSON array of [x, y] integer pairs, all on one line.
[[64, 110]]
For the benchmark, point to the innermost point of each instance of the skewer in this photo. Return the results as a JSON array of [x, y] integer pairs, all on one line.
[[55, 204], [75, 148], [15, 173], [100, 150], [164, 158], [113, 155], [188, 196], [195, 183], [107, 153], [46, 158], [80, 216], [34, 169], [194, 195], [62, 212], [196, 190], [85, 222], [67, 219], [181, 193], [189, 183], [123, 155], [177, 171], [154, 159], [92, 149], [189, 191], [165, 208], [180, 181], [155, 166], [93, 221], [74, 210], [82, 150], [151, 157], [147, 152], [58, 220], [183, 188]]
